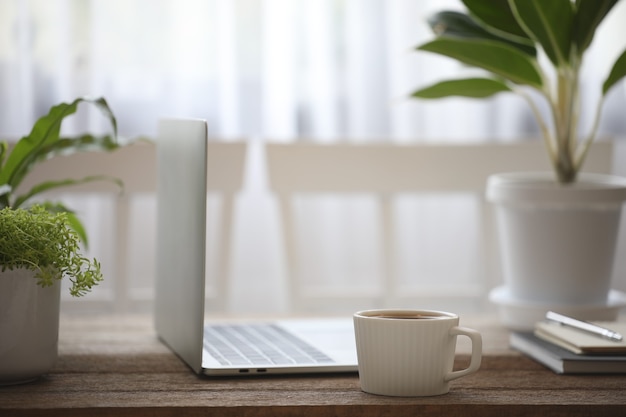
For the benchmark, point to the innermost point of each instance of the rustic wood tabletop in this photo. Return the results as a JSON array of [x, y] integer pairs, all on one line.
[[115, 365]]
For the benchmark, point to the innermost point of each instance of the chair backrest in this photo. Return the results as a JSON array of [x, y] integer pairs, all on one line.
[[387, 171], [133, 247]]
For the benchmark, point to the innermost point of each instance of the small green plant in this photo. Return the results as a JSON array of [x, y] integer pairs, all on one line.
[[44, 242], [504, 38], [44, 142]]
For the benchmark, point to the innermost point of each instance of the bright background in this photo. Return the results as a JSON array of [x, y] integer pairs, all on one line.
[[276, 70]]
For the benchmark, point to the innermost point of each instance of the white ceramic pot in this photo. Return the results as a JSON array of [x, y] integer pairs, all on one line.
[[557, 242], [29, 327]]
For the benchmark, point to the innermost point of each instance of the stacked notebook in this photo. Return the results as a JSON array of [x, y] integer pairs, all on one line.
[[568, 350]]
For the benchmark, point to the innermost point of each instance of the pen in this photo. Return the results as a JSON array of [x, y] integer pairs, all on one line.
[[583, 325]]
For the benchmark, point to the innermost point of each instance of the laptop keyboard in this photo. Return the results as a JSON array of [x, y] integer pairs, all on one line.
[[259, 344]]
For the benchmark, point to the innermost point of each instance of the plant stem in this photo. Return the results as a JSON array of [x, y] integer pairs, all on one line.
[[565, 123]]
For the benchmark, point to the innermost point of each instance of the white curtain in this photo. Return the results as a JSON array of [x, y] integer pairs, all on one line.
[[281, 70], [320, 69]]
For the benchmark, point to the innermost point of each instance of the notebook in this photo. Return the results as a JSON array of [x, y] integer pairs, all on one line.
[[221, 348], [563, 361], [580, 342]]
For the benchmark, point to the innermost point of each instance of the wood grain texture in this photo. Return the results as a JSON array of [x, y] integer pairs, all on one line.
[[115, 366]]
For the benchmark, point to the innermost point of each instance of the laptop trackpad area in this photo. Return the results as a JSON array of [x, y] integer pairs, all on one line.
[[289, 343]]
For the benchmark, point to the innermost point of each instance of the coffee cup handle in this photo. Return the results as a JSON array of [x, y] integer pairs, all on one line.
[[477, 348]]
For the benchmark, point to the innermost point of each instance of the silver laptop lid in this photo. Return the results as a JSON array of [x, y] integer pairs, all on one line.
[[181, 224]]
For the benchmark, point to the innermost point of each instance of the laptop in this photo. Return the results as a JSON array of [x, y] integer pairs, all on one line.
[[221, 348]]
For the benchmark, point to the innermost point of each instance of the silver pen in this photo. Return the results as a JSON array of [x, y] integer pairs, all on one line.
[[584, 325]]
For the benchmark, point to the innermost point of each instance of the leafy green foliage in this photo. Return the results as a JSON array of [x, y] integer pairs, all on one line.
[[497, 15], [617, 73], [44, 142], [45, 243], [495, 57], [469, 87], [502, 37], [71, 218], [589, 15], [537, 18], [455, 24]]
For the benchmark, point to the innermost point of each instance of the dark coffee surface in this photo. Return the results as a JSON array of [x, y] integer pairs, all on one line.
[[400, 317]]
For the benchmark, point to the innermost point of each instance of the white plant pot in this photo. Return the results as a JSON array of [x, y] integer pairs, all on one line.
[[29, 327], [557, 242]]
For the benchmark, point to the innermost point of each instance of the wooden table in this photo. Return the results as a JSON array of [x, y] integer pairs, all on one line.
[[115, 366]]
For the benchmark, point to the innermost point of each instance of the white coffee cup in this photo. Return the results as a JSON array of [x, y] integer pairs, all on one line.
[[410, 353]]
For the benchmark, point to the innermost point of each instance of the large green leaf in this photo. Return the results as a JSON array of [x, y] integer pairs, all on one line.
[[45, 133], [50, 185], [45, 129], [66, 146], [469, 87], [500, 59], [589, 15], [456, 24], [83, 143], [549, 22], [498, 15], [617, 73]]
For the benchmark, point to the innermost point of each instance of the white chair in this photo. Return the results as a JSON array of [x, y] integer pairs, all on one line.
[[136, 166], [387, 170]]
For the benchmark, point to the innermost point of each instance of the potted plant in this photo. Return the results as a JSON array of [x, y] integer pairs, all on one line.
[[45, 142], [40, 245], [558, 230]]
